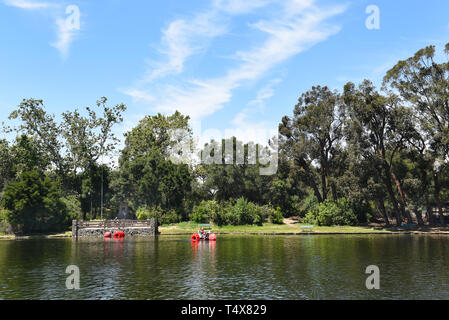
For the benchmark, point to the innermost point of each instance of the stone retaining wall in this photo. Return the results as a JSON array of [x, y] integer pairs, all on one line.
[[99, 228]]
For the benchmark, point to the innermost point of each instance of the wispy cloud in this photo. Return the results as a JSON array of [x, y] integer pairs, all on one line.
[[256, 105], [66, 35], [183, 39], [29, 5], [138, 95], [240, 7], [66, 32], [294, 26]]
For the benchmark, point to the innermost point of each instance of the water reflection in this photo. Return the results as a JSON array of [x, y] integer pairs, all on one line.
[[237, 267]]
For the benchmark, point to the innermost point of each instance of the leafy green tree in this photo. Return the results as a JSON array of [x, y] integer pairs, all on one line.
[[424, 83], [27, 156], [34, 204], [312, 139], [6, 164], [380, 128], [146, 175], [91, 138], [42, 129]]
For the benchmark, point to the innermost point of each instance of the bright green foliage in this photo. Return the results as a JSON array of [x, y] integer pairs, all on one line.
[[276, 217], [312, 138], [34, 204], [5, 227], [163, 217], [6, 164], [242, 212], [146, 175], [329, 213], [309, 203], [73, 206], [204, 211]]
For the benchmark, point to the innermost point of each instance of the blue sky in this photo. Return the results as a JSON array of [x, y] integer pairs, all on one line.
[[231, 65]]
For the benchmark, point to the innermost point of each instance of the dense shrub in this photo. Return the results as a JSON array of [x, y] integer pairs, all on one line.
[[145, 213], [308, 204], [276, 216], [163, 217], [5, 227], [73, 205], [34, 204], [331, 213], [241, 212], [206, 211], [170, 217]]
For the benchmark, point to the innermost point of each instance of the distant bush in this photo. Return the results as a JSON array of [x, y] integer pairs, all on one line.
[[308, 204], [330, 213], [242, 212], [276, 216], [203, 212], [210, 211], [163, 216], [170, 217], [145, 213], [5, 227]]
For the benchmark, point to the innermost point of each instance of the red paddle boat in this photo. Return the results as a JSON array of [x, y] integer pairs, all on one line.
[[205, 233]]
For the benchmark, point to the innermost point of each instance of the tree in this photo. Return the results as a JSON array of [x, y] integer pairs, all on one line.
[[6, 164], [424, 83], [146, 176], [379, 128], [312, 139], [34, 204], [42, 129], [89, 140]]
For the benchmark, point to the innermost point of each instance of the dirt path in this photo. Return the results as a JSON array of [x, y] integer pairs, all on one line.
[[291, 222]]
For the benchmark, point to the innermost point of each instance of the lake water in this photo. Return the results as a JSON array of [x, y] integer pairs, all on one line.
[[234, 267]]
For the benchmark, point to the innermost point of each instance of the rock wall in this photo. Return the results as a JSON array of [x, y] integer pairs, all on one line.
[[84, 230]]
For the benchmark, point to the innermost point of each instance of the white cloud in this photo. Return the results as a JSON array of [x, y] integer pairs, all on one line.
[[66, 35], [67, 27], [201, 99], [183, 39], [239, 6], [138, 95], [296, 26], [29, 5]]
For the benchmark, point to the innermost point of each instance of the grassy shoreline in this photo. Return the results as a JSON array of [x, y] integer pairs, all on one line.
[[186, 228], [66, 234], [269, 228]]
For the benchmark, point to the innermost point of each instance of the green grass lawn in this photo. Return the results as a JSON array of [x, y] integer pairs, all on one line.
[[190, 227], [50, 235]]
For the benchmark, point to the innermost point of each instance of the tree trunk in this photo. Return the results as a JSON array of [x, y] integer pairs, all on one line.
[[437, 197], [303, 164], [383, 212], [418, 215], [334, 191], [389, 186], [323, 183], [403, 200]]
